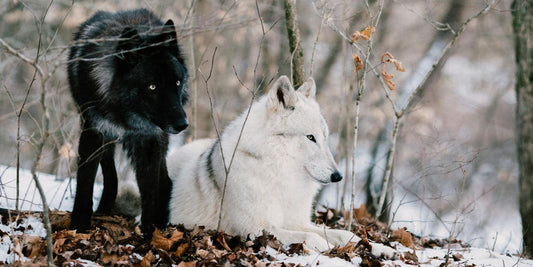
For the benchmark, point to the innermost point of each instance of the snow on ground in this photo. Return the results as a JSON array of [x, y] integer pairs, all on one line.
[[426, 257], [59, 193], [9, 250]]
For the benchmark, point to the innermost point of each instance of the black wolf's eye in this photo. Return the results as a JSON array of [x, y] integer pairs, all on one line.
[[311, 137], [152, 87], [178, 83]]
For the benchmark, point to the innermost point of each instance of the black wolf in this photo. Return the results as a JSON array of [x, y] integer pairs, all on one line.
[[127, 76]]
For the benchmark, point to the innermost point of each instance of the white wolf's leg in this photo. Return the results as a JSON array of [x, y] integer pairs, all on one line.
[[334, 236], [342, 237], [312, 240]]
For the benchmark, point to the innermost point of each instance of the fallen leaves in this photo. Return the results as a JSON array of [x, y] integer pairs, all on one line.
[[410, 258], [403, 237], [115, 241], [161, 242]]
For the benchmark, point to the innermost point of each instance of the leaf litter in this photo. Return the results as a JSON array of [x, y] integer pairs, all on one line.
[[116, 241]]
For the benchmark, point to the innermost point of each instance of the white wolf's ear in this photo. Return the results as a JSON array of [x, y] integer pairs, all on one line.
[[308, 89], [281, 95]]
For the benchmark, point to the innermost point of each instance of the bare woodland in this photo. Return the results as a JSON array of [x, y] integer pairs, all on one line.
[[419, 96]]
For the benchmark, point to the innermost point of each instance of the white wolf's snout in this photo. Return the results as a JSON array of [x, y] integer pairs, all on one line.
[[336, 177], [321, 166]]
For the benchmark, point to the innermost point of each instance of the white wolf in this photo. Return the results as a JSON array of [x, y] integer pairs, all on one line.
[[280, 163]]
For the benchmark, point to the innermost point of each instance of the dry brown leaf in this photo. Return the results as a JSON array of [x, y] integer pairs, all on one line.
[[137, 230], [365, 34], [82, 236], [358, 62], [362, 213], [387, 77], [368, 261], [108, 258], [32, 246], [410, 258], [64, 234], [202, 253], [222, 242], [187, 264], [116, 231], [148, 259], [387, 57], [403, 237], [161, 242], [181, 249], [355, 36], [58, 245]]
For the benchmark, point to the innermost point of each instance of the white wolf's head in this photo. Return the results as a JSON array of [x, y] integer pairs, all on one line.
[[294, 116]]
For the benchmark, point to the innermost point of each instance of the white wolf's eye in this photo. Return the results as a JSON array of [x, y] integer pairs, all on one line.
[[152, 87], [178, 83], [311, 137]]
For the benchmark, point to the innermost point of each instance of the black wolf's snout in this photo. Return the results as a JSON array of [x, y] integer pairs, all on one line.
[[180, 125], [335, 177]]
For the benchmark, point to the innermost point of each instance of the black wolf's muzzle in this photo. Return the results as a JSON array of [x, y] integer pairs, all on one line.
[[180, 125], [176, 127]]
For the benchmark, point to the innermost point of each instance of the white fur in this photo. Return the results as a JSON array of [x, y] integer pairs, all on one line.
[[275, 174]]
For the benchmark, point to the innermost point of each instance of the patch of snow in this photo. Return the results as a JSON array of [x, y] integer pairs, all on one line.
[[85, 263], [427, 257], [5, 250], [32, 227], [59, 192], [312, 259]]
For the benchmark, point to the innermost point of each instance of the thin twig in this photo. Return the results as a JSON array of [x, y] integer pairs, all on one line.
[[360, 92]]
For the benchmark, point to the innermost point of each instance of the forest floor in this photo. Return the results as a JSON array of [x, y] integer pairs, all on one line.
[[117, 241]]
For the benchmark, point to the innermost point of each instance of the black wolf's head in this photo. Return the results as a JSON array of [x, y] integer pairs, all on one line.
[[149, 79]]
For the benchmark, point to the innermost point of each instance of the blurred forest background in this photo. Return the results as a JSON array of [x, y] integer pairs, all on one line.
[[455, 169]]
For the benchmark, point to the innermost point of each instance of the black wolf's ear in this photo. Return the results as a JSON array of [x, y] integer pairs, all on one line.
[[308, 89], [168, 33], [129, 40], [169, 23], [281, 95]]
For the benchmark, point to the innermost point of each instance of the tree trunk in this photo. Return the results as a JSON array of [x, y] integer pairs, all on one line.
[[523, 30], [297, 55]]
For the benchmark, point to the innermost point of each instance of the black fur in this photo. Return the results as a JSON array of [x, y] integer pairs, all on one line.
[[209, 167], [127, 77]]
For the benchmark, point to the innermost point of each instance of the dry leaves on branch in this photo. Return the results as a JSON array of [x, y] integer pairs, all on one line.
[[387, 77], [365, 34], [358, 62]]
